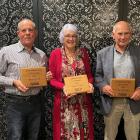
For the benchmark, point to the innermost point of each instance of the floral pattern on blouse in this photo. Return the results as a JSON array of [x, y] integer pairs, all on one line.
[[74, 114]]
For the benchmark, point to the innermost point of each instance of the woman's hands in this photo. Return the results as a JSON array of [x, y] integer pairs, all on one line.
[[49, 76], [69, 95], [91, 88]]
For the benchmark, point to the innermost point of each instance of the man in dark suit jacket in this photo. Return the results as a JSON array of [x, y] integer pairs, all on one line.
[[121, 60]]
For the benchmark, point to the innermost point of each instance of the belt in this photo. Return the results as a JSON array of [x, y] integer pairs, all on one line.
[[18, 98]]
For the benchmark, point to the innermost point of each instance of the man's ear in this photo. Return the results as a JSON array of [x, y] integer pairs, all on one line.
[[18, 33], [113, 35]]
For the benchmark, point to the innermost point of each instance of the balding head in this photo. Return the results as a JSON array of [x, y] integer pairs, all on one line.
[[124, 24]]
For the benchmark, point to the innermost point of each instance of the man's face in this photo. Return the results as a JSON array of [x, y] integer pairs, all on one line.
[[122, 35], [27, 33]]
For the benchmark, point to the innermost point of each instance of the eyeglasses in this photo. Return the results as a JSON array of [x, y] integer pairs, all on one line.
[[70, 36]]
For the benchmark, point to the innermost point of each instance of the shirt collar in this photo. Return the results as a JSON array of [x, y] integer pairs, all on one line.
[[126, 50], [22, 48]]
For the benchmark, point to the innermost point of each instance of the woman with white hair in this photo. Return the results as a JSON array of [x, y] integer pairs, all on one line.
[[72, 115]]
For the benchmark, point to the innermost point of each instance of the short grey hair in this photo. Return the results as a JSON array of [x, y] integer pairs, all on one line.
[[25, 19], [68, 26]]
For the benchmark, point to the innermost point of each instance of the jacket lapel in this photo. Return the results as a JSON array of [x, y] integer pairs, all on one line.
[[110, 59]]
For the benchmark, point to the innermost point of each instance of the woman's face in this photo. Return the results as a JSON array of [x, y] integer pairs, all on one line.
[[70, 39]]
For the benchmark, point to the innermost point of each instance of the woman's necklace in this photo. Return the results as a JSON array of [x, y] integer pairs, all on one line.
[[70, 56], [70, 59]]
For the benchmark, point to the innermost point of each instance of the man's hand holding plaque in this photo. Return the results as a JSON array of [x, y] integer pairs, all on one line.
[[136, 94], [20, 86], [33, 77], [77, 84], [122, 87]]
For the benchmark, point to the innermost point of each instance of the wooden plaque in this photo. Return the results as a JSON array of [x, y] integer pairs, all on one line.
[[77, 84], [33, 77], [123, 87]]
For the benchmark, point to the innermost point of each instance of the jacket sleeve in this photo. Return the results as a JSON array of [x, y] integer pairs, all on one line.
[[55, 63], [86, 61], [99, 74]]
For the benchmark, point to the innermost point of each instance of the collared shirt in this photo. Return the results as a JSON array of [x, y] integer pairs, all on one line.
[[14, 57], [123, 65]]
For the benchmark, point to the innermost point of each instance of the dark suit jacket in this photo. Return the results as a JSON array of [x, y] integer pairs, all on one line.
[[104, 73]]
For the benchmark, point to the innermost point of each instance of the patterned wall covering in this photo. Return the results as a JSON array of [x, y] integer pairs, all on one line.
[[134, 19], [10, 13], [94, 19]]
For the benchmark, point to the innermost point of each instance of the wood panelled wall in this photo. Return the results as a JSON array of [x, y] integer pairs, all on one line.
[[94, 18]]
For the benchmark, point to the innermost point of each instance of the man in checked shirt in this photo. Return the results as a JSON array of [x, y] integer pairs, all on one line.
[[23, 104]]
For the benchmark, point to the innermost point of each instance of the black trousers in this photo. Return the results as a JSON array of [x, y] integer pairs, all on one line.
[[23, 117]]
